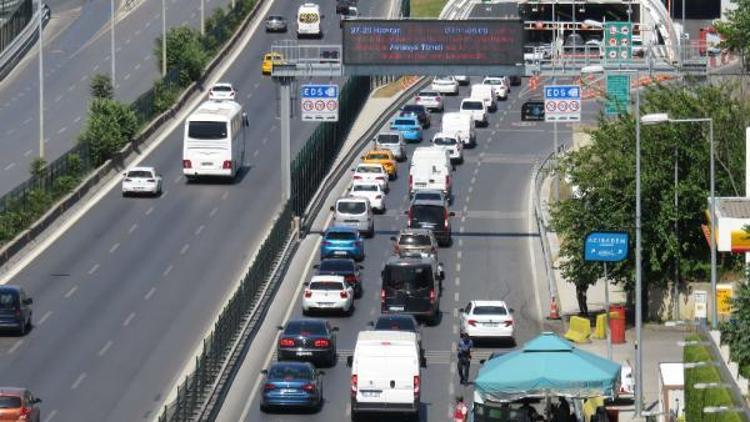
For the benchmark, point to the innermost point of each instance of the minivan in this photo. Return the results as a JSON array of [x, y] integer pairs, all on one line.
[[486, 93], [432, 215], [354, 212], [459, 124], [15, 309], [410, 284], [475, 108], [386, 374]]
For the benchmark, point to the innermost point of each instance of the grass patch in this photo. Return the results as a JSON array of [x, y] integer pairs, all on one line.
[[389, 90], [426, 8]]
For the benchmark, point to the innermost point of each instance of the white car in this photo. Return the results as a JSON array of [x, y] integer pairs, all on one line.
[[451, 143], [445, 85], [431, 100], [329, 293], [475, 108], [392, 141], [499, 84], [370, 191], [373, 173], [222, 91], [462, 79], [487, 319], [141, 180]]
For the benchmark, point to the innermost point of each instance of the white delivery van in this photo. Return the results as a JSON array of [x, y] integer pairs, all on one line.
[[460, 125], [486, 93], [430, 168], [386, 374], [308, 21], [475, 108]]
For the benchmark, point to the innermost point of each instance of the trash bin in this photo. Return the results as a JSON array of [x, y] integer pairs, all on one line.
[[617, 323]]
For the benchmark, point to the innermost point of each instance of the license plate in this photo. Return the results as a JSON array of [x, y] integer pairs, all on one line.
[[396, 308], [491, 324], [421, 184], [370, 393], [287, 390], [339, 252], [207, 163], [325, 304], [304, 353]]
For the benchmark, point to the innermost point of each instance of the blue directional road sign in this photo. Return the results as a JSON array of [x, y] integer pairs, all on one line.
[[562, 103], [606, 246], [319, 103]]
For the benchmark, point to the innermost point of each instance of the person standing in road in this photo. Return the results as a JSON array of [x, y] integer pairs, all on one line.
[[464, 358], [461, 410]]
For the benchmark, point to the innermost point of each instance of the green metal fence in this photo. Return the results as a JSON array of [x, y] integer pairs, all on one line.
[[15, 22], [405, 8]]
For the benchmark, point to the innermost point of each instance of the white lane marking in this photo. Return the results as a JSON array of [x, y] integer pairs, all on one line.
[[77, 119], [213, 212], [458, 267], [459, 255], [471, 189], [225, 195], [466, 208], [127, 41], [148, 56], [460, 242], [114, 248], [199, 229], [27, 121], [150, 293], [27, 153], [463, 219], [468, 198], [255, 154], [62, 130], [10, 131], [164, 194], [137, 32], [458, 281], [128, 319], [461, 229], [455, 312], [71, 291], [50, 416], [78, 381], [473, 180], [264, 140], [184, 249], [149, 210], [534, 275], [83, 78], [10, 166], [71, 88], [96, 67], [167, 270], [455, 329], [249, 95], [177, 179], [456, 296], [127, 76], [93, 269], [58, 98], [44, 318], [132, 228], [104, 349], [15, 346], [137, 66]]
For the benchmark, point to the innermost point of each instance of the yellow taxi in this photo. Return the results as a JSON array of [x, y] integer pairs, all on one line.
[[384, 157], [271, 58]]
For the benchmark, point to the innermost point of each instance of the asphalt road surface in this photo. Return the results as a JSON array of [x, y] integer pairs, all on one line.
[[124, 298]]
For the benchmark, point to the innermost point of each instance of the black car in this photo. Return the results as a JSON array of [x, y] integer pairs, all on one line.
[[419, 111], [398, 322], [15, 309], [312, 340], [342, 6], [431, 215], [515, 80], [346, 267], [532, 111], [411, 285]]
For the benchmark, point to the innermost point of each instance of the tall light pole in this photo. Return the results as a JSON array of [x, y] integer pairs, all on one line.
[[203, 17], [41, 81], [163, 38], [112, 40]]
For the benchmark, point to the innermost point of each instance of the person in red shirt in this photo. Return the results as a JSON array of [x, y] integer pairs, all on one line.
[[461, 411]]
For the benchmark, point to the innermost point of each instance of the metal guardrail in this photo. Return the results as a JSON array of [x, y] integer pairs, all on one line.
[[20, 35], [544, 169]]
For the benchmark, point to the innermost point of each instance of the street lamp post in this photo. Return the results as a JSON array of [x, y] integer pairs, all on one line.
[[41, 81], [659, 118], [112, 40], [163, 38], [203, 17]]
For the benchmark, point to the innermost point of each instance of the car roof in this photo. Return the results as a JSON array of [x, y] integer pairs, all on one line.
[[292, 363], [430, 202], [489, 303], [341, 229], [339, 278], [141, 169], [348, 260], [352, 199], [410, 260], [389, 132], [12, 391], [412, 118], [227, 84], [305, 321], [370, 165], [415, 232]]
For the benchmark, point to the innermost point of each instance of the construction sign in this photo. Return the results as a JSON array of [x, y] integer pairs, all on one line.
[[618, 41], [724, 295]]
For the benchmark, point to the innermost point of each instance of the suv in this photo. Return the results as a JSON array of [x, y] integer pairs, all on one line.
[[15, 309], [415, 240], [18, 404], [411, 285], [432, 215], [354, 212]]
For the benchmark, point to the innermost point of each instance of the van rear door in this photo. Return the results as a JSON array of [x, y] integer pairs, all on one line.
[[387, 376], [408, 288]]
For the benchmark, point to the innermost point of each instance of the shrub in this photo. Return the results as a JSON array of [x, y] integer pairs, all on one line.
[[185, 52], [109, 126], [101, 87]]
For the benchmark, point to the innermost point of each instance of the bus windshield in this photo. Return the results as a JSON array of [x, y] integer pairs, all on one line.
[[207, 130]]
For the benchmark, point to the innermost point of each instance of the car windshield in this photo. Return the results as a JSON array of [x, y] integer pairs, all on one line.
[[305, 328], [378, 156], [10, 402], [395, 324], [490, 310], [493, 82], [365, 188], [444, 141], [413, 108], [369, 169], [414, 240], [8, 300], [275, 18], [407, 277], [139, 173], [207, 130], [289, 372], [336, 265], [326, 285], [222, 88], [404, 122], [428, 213], [472, 105], [340, 236], [444, 79], [388, 139], [351, 207], [428, 94], [430, 196]]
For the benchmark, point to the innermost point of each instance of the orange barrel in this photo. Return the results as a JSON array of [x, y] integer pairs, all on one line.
[[617, 323]]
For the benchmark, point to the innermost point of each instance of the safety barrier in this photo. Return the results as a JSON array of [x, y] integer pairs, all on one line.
[[579, 329], [542, 171]]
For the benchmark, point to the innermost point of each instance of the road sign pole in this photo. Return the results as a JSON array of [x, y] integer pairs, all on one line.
[[285, 96], [557, 179], [606, 310]]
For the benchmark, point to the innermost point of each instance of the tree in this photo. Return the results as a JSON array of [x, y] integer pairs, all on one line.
[[109, 126], [736, 30], [604, 173], [186, 53], [734, 332], [36, 167], [101, 87]]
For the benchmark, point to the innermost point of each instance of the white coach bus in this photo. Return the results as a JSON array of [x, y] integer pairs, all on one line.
[[214, 140]]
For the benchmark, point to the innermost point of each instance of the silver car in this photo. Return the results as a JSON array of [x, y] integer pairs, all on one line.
[[392, 141], [354, 212], [275, 23]]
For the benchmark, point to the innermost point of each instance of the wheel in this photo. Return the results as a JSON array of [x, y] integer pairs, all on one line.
[[354, 416], [264, 408], [331, 361], [305, 312], [358, 291], [22, 329]]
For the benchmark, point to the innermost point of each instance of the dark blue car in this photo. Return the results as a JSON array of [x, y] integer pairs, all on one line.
[[344, 242], [292, 385]]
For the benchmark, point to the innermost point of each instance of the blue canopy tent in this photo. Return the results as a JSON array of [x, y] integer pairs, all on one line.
[[547, 366]]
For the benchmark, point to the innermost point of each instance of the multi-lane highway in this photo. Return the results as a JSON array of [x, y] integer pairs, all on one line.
[[76, 47], [493, 256], [123, 299]]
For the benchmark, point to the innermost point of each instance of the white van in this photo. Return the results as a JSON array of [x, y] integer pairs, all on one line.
[[486, 93], [475, 108], [386, 374], [308, 21], [431, 169], [460, 125]]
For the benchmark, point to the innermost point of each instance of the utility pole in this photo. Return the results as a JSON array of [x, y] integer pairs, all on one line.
[[203, 17], [112, 40], [638, 270], [41, 81], [285, 84], [163, 38]]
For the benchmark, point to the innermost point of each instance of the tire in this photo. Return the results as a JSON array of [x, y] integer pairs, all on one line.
[[264, 408], [305, 312], [354, 416], [22, 330], [331, 362]]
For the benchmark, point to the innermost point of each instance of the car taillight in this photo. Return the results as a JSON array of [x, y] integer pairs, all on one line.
[[357, 177], [508, 323], [378, 196], [310, 388], [379, 178], [308, 293], [151, 180], [227, 165], [408, 217], [432, 296], [382, 295], [186, 164], [418, 100], [128, 180], [343, 294], [322, 343], [354, 385], [447, 181], [438, 99], [327, 243], [417, 385], [18, 313], [286, 342], [445, 220], [350, 278], [472, 322], [269, 387], [411, 180]]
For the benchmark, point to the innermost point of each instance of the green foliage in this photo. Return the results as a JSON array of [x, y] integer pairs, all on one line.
[[101, 87], [736, 29], [165, 95], [734, 331], [217, 29], [36, 166], [696, 400], [186, 53], [110, 125], [605, 175]]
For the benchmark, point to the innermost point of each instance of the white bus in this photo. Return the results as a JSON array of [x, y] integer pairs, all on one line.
[[214, 140], [308, 21]]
